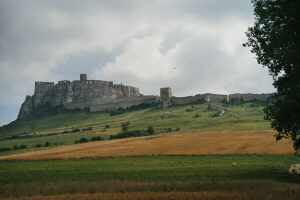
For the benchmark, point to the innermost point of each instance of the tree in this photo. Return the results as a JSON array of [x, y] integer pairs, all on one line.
[[150, 130], [275, 40]]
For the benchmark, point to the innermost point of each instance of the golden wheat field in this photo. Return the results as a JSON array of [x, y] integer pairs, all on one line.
[[202, 143]]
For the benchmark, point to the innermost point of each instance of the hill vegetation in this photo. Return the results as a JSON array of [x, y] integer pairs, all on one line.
[[51, 129]]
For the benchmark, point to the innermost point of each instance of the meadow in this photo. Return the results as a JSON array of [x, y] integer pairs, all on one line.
[[51, 128], [150, 174]]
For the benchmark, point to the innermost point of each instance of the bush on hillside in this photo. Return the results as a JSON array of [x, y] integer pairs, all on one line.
[[38, 145], [87, 129], [125, 126], [75, 130], [23, 146], [150, 130], [3, 149], [82, 140], [97, 138]]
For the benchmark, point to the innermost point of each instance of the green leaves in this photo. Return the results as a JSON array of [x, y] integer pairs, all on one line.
[[275, 40]]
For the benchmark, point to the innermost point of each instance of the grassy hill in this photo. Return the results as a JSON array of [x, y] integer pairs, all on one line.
[[47, 130]]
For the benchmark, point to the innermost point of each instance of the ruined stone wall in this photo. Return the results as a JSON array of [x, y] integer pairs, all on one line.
[[104, 95], [217, 98], [78, 94], [214, 97], [183, 100], [198, 98], [123, 102], [42, 92], [250, 97]]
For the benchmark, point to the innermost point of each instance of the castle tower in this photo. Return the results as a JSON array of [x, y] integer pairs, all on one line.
[[165, 94], [83, 77]]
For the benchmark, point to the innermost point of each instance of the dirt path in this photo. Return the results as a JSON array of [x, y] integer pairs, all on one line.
[[204, 143]]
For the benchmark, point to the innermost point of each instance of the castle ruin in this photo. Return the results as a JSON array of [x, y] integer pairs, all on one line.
[[97, 95]]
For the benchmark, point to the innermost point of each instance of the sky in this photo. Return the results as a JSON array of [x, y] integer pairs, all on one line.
[[192, 46]]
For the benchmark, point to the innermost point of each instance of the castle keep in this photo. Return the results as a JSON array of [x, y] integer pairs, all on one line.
[[97, 95]]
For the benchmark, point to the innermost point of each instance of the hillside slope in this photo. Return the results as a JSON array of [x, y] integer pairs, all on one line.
[[48, 130]]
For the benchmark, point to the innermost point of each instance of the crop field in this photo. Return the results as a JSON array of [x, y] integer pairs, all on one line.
[[203, 143], [224, 174]]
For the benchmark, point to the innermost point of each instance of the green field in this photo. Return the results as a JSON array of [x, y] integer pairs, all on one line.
[[157, 168], [162, 173], [49, 127]]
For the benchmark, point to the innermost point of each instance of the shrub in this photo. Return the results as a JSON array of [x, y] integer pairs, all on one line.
[[65, 132], [150, 130], [177, 129], [87, 129], [97, 138], [126, 134], [38, 145], [107, 126], [82, 140], [47, 144], [75, 130], [23, 146], [5, 149], [125, 126]]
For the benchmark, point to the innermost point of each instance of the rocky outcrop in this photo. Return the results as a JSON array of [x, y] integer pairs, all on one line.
[[26, 108]]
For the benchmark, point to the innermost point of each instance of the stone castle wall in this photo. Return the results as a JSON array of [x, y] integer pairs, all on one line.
[[198, 98], [217, 98], [250, 97], [97, 95]]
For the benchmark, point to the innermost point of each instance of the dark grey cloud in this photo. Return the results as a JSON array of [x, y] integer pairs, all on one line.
[[134, 41]]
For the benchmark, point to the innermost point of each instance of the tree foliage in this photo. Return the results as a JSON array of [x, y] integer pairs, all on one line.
[[274, 39]]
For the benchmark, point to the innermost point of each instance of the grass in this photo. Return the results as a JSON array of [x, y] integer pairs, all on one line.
[[160, 168], [263, 189], [252, 175], [248, 116]]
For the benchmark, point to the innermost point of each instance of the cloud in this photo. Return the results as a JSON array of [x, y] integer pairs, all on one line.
[[139, 43], [207, 58]]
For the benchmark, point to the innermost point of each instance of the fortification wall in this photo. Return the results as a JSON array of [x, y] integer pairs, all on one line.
[[215, 98], [104, 95], [41, 90], [199, 97], [250, 97], [123, 102], [183, 100], [41, 87]]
